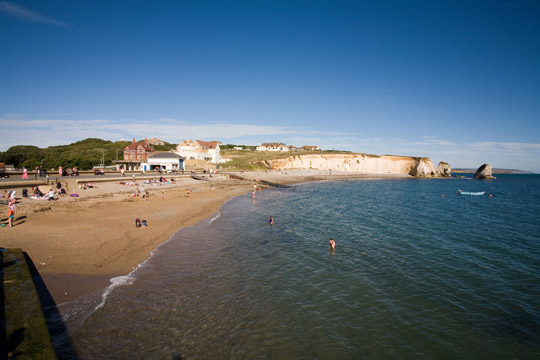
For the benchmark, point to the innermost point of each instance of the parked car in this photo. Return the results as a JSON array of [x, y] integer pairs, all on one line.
[[3, 173]]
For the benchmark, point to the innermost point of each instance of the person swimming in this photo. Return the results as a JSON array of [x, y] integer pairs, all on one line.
[[271, 221], [332, 243]]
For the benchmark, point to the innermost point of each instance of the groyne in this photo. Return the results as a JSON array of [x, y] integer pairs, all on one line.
[[24, 333]]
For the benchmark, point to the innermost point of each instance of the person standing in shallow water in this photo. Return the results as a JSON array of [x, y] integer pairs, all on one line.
[[332, 244]]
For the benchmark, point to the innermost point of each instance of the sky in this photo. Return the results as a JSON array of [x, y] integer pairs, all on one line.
[[456, 81]]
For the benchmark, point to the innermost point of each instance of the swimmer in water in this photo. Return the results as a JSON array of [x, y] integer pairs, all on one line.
[[271, 221], [332, 244]]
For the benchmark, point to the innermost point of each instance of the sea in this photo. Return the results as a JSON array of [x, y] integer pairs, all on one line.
[[418, 272]]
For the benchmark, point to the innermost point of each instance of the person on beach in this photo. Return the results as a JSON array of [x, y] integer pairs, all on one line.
[[51, 195], [37, 193], [59, 189], [332, 244], [271, 221], [24, 174], [122, 171], [11, 212], [137, 222]]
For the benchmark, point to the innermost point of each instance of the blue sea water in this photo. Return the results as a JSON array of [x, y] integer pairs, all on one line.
[[415, 275]]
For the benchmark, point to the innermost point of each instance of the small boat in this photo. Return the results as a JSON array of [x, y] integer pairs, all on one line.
[[479, 193]]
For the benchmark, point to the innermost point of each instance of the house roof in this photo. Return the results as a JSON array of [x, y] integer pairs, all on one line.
[[165, 155], [154, 140], [273, 144], [208, 144], [185, 143], [135, 145]]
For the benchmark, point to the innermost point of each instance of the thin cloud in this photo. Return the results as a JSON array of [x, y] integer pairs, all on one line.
[[169, 130], [506, 146], [43, 133], [28, 15]]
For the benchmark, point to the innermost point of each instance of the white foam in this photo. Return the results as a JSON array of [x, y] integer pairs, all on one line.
[[217, 216], [115, 282]]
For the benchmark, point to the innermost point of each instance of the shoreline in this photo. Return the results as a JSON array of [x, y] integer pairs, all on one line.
[[79, 244]]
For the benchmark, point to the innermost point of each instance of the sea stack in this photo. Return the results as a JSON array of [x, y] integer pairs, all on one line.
[[484, 173], [444, 169]]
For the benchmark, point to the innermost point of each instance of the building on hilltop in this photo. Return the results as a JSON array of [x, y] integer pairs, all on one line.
[[311, 148], [137, 151], [156, 141], [273, 147], [200, 150]]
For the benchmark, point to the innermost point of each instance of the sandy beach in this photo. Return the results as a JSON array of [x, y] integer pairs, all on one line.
[[79, 243]]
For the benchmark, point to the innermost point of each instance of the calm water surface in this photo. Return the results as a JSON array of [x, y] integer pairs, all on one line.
[[414, 275]]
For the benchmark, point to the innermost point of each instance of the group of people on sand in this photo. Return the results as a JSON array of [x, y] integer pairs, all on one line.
[[88, 185], [139, 191], [140, 223], [50, 195]]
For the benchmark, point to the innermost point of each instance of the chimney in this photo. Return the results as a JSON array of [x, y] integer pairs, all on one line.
[[133, 140], [146, 140]]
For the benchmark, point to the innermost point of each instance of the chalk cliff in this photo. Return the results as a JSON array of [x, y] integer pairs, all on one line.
[[363, 164]]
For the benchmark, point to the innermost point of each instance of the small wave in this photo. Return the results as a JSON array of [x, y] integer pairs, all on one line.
[[217, 216], [115, 282]]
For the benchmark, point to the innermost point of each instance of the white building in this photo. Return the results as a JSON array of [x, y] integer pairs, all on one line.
[[200, 150], [273, 147], [311, 148], [165, 161]]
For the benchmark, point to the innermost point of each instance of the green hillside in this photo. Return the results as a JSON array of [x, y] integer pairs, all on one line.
[[84, 154]]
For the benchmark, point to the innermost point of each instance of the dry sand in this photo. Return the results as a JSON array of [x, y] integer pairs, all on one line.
[[78, 244]]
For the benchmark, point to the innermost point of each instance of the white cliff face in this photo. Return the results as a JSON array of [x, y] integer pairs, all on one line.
[[359, 163]]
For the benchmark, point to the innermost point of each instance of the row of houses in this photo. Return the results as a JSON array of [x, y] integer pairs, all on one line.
[[285, 148], [142, 154]]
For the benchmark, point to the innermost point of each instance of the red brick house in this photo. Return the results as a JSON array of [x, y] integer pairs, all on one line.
[[137, 151]]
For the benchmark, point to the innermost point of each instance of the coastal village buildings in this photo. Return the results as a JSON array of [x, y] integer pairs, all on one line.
[[164, 160], [200, 150], [283, 147], [137, 151], [273, 147]]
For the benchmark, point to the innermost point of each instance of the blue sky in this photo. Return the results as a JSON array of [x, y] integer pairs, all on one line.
[[457, 81]]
